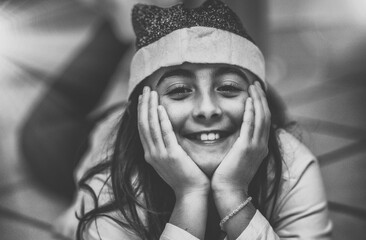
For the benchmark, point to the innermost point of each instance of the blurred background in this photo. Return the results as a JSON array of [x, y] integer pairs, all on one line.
[[63, 64]]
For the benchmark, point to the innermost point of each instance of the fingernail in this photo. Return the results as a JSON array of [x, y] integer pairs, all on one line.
[[156, 95], [146, 89], [140, 96], [160, 108], [249, 100], [258, 84]]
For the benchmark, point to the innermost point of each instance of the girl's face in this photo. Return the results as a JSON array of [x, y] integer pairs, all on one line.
[[205, 104]]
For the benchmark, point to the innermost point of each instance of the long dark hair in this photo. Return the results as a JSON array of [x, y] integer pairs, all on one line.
[[132, 177]]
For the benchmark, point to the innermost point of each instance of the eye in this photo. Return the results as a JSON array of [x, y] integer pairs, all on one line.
[[230, 89], [179, 92]]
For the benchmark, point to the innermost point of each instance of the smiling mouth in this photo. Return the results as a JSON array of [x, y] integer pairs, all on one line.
[[208, 137]]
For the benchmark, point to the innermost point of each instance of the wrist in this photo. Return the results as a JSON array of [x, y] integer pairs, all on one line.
[[227, 201], [224, 191], [198, 188], [228, 186], [190, 212], [192, 194]]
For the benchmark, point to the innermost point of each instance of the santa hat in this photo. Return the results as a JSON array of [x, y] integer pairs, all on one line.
[[211, 33]]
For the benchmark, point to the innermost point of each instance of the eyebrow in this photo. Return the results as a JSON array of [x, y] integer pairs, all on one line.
[[180, 72], [225, 70]]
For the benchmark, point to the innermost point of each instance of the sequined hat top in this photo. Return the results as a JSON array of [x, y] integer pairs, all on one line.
[[151, 23], [209, 34]]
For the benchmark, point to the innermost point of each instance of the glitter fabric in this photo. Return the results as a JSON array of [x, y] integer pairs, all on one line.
[[152, 23]]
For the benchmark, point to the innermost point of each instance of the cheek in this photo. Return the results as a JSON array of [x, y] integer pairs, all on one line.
[[235, 110], [177, 113]]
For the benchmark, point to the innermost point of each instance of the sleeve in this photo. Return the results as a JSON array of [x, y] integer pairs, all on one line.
[[107, 229], [258, 228], [172, 232], [110, 230], [104, 227], [301, 210]]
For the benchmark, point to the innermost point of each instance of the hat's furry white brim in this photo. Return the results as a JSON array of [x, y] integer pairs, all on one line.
[[196, 45]]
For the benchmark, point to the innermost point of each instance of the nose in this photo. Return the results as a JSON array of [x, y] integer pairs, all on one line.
[[207, 108]]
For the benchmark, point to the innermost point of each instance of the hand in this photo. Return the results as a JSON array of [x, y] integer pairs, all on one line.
[[239, 166], [162, 150]]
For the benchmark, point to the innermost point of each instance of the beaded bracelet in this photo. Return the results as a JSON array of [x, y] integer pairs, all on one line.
[[240, 207]]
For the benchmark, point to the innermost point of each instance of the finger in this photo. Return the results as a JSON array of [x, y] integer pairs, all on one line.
[[258, 113], [263, 98], [154, 124], [247, 127], [267, 112], [169, 138], [143, 126]]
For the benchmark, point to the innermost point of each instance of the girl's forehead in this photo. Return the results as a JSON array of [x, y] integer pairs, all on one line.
[[195, 68]]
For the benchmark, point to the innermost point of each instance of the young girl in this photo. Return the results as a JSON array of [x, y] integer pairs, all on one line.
[[197, 154]]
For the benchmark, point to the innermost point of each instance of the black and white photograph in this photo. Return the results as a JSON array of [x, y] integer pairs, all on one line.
[[182, 119]]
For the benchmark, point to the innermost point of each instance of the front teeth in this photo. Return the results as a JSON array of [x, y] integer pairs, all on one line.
[[209, 136]]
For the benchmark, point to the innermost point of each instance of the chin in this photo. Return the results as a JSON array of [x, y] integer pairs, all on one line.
[[207, 161], [207, 155]]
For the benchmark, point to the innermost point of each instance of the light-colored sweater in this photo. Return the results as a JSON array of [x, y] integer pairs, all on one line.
[[300, 212]]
